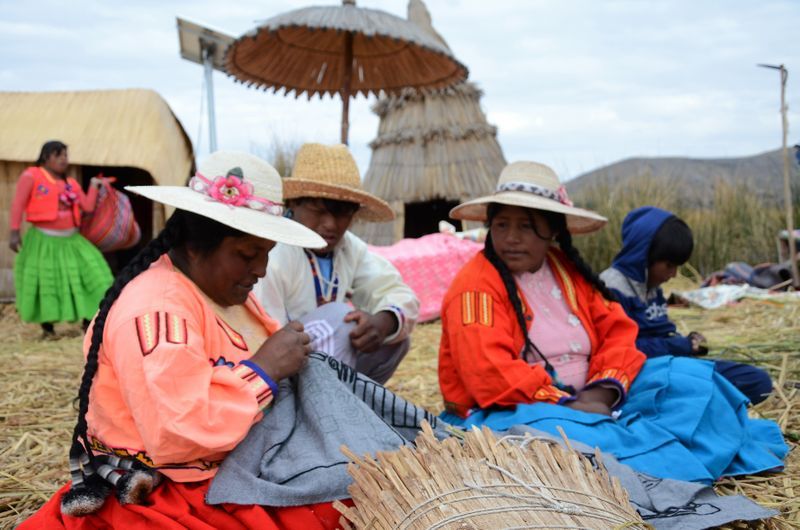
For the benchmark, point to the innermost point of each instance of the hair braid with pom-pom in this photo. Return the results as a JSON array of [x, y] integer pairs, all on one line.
[[165, 240], [90, 482]]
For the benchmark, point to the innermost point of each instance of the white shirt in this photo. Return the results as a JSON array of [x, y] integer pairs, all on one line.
[[367, 280]]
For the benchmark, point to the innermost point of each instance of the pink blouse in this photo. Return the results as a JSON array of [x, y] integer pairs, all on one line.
[[556, 331]]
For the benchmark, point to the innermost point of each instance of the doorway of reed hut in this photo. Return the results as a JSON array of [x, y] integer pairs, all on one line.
[[421, 218], [142, 207]]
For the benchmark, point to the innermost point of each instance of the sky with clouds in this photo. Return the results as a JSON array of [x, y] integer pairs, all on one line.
[[576, 84]]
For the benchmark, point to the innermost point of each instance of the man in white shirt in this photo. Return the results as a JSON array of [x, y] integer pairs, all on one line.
[[352, 302]]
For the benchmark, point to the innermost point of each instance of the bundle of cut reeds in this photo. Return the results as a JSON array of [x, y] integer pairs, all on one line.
[[484, 482]]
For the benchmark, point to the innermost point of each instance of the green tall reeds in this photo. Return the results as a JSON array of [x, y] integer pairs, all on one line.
[[730, 222]]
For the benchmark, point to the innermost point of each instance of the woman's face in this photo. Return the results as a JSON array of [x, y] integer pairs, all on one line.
[[520, 244], [57, 162], [229, 272]]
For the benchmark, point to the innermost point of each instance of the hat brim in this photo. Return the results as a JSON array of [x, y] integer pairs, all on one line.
[[372, 209], [579, 221], [256, 223]]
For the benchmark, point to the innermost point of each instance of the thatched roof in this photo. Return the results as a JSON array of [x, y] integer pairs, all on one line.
[[122, 128], [433, 145]]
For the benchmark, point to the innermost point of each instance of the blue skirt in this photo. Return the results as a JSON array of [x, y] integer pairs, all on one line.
[[682, 420]]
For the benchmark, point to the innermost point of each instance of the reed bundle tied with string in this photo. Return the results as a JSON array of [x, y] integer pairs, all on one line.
[[484, 482]]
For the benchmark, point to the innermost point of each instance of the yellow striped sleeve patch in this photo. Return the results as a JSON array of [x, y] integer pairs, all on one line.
[[468, 308], [485, 311], [176, 329], [147, 329], [477, 308]]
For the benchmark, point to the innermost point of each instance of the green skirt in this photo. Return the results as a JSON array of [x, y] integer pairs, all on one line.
[[59, 279]]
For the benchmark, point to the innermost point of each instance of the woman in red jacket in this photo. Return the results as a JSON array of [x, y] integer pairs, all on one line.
[[532, 337], [524, 322], [58, 275]]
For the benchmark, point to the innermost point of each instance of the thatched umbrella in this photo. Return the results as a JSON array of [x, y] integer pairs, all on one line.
[[430, 145], [342, 50]]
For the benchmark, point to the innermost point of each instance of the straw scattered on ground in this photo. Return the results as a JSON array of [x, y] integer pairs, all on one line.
[[40, 379]]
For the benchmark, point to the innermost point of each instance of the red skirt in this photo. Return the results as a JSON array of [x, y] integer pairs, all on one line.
[[176, 505]]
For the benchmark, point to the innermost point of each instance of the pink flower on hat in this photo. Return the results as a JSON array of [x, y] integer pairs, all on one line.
[[563, 198], [231, 190]]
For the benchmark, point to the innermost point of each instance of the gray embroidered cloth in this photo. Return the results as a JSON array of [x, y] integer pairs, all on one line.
[[292, 456]]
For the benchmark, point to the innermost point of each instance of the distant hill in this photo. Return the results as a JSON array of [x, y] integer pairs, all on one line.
[[694, 176]]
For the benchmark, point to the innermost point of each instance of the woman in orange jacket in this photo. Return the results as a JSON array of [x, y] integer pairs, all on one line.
[[531, 336], [59, 276], [182, 360]]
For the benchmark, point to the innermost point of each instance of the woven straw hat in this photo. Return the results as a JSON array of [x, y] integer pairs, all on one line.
[[330, 172], [536, 186], [238, 190]]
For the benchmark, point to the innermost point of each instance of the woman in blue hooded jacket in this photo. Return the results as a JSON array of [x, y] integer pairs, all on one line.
[[655, 243]]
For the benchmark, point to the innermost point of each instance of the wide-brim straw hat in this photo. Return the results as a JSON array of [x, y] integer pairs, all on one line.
[[238, 190], [536, 186], [330, 172]]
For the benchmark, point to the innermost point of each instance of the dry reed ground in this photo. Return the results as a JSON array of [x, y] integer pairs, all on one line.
[[40, 379]]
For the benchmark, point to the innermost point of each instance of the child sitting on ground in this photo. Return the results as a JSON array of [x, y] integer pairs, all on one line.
[[654, 244]]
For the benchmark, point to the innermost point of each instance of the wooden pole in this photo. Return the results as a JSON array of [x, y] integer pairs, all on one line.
[[348, 76], [787, 187], [347, 79]]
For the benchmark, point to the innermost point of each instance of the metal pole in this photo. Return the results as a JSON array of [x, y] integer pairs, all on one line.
[[208, 67]]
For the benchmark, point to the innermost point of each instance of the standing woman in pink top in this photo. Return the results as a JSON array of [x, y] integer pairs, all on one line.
[[59, 276]]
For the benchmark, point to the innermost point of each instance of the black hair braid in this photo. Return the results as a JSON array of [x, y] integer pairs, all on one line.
[[166, 239], [564, 239]]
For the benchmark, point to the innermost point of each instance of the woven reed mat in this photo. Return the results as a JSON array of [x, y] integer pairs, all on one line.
[[484, 483]]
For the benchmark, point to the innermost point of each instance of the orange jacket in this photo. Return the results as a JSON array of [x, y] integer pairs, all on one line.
[[43, 202], [171, 389], [479, 354]]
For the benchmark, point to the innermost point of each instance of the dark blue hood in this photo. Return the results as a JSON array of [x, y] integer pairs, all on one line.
[[638, 230]]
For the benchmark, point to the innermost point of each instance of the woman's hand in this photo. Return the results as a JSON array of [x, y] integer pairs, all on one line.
[[370, 330], [14, 241], [96, 182], [597, 400], [284, 353]]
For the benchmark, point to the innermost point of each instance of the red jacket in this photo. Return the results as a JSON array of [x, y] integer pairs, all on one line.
[[479, 354], [43, 202]]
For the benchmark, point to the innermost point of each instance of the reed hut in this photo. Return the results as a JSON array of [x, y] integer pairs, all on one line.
[[129, 134], [433, 150]]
